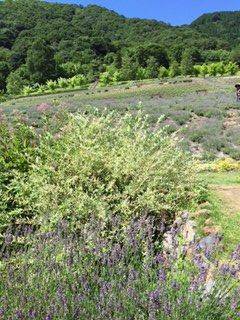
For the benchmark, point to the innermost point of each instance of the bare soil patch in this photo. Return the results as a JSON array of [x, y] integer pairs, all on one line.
[[230, 196]]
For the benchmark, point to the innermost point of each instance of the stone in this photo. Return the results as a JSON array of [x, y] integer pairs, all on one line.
[[188, 232], [214, 230], [201, 212], [210, 242], [178, 222]]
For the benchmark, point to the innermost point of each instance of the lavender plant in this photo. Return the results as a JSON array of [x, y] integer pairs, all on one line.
[[89, 276]]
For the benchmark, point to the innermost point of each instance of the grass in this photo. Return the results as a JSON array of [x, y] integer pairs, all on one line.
[[221, 178], [229, 223], [223, 211]]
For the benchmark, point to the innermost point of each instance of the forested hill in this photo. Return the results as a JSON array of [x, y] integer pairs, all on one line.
[[41, 41], [225, 25]]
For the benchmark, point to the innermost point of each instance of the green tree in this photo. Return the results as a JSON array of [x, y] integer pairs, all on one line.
[[152, 68], [40, 62], [212, 69], [4, 71], [174, 70], [16, 81], [236, 55], [187, 64], [129, 68]]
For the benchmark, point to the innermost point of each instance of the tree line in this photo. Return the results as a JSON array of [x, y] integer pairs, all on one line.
[[42, 41]]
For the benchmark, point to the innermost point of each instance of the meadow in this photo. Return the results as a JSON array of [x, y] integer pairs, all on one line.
[[92, 184]]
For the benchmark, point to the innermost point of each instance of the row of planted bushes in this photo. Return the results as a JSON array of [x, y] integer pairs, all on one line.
[[115, 76], [213, 69], [53, 85]]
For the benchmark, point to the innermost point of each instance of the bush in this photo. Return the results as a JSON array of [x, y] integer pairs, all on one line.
[[77, 81], [51, 85], [105, 78], [17, 154], [163, 72], [105, 165], [27, 90], [15, 82], [63, 83]]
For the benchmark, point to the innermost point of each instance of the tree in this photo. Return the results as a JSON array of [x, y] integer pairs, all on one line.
[[236, 55], [129, 68], [142, 54], [40, 62], [212, 69], [187, 64], [4, 71], [174, 70], [15, 82], [152, 68]]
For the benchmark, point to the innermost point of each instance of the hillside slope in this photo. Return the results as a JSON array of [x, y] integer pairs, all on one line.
[[93, 37], [225, 25]]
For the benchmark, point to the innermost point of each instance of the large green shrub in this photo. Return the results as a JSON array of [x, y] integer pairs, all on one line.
[[107, 166], [17, 153]]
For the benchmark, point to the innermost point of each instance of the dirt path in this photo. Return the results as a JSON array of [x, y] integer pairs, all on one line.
[[230, 196]]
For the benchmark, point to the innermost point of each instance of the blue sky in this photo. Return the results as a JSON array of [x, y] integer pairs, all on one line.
[[176, 12]]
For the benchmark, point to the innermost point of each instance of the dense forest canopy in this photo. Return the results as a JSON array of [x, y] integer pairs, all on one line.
[[41, 41], [225, 25]]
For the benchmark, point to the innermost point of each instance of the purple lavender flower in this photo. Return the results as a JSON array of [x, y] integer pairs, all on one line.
[[1, 312], [62, 296], [32, 314], [154, 297], [236, 254], [19, 314], [160, 259], [175, 285], [161, 276], [167, 308], [133, 274], [48, 317]]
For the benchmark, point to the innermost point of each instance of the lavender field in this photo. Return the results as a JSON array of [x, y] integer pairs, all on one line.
[[203, 112]]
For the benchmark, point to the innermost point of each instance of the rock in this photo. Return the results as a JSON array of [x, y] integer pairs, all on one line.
[[202, 212], [209, 283], [188, 232], [168, 246], [178, 222], [209, 243], [185, 216], [214, 230]]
